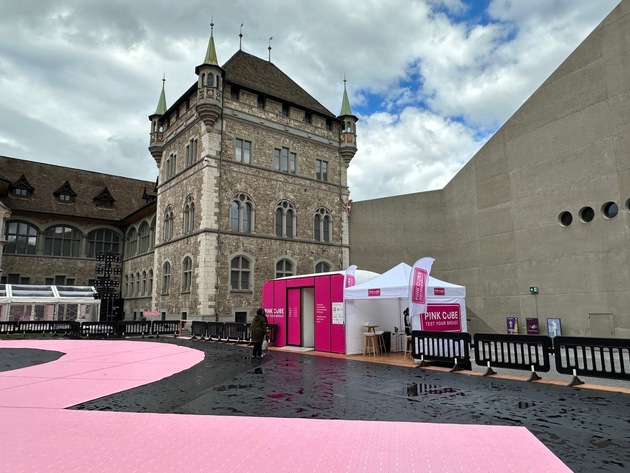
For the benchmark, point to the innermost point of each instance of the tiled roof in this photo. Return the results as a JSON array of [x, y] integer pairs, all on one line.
[[46, 179], [263, 76]]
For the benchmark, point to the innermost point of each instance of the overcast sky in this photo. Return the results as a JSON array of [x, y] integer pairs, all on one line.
[[430, 80]]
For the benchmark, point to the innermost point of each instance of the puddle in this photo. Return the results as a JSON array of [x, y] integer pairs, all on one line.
[[417, 389]]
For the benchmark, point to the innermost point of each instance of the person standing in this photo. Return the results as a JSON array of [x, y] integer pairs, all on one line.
[[259, 332]]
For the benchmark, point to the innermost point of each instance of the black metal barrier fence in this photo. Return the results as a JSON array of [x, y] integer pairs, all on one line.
[[236, 332], [67, 328], [518, 352], [608, 358], [586, 356], [442, 347]]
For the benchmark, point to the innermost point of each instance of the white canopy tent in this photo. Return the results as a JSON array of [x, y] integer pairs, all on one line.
[[382, 300]]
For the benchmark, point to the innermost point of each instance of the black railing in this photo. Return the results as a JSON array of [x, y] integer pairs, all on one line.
[[590, 356], [446, 347], [165, 327], [7, 327], [517, 352], [131, 328]]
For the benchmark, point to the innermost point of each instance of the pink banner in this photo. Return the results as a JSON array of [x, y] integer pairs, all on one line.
[[418, 281], [442, 318], [350, 279]]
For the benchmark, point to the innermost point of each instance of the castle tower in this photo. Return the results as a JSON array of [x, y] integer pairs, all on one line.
[[348, 134], [209, 86], [156, 139]]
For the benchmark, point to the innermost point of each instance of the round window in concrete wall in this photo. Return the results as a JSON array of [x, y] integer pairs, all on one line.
[[565, 219], [610, 209], [587, 214], [628, 205]]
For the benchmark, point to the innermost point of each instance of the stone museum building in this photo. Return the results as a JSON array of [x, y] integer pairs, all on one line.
[[252, 185]]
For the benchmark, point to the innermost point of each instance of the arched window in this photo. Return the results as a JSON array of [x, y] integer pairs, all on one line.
[[239, 274], [322, 267], [166, 277], [189, 215], [62, 240], [144, 238], [284, 268], [168, 223], [150, 284], [144, 283], [127, 285], [186, 274], [138, 284], [285, 220], [21, 238], [132, 242], [152, 237], [241, 214], [102, 240], [322, 225]]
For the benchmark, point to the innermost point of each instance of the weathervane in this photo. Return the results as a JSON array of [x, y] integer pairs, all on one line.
[[269, 48], [240, 38]]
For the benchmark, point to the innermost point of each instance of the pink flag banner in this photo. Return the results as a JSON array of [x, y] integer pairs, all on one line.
[[349, 278], [418, 282]]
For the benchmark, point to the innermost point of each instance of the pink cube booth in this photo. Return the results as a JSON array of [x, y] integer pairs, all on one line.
[[309, 310]]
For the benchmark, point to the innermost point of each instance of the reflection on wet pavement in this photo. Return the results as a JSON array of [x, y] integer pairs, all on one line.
[[588, 430]]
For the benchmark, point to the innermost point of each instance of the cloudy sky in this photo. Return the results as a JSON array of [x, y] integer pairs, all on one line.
[[430, 80]]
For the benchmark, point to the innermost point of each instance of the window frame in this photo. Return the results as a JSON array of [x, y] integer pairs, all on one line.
[[243, 273], [242, 151]]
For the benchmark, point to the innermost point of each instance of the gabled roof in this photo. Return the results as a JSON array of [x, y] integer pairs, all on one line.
[[262, 76], [46, 179], [22, 183]]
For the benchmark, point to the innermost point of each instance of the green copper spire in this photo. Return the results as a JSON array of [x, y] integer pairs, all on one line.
[[211, 52], [345, 103], [161, 107]]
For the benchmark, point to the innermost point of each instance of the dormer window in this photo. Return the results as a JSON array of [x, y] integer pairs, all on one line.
[[65, 194], [21, 188], [104, 199], [20, 192]]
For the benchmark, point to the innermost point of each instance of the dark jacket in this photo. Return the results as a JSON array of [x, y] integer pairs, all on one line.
[[259, 328]]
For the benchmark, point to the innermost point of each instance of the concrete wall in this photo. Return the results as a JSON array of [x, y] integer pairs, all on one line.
[[497, 230]]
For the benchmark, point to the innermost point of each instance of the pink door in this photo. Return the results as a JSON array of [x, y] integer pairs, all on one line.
[[294, 327]]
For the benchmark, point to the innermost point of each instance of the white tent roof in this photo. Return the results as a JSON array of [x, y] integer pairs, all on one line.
[[394, 283]]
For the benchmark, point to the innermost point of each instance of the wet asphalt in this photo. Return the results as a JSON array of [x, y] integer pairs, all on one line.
[[588, 430]]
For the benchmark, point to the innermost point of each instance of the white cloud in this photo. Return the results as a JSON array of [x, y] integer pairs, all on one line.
[[80, 78]]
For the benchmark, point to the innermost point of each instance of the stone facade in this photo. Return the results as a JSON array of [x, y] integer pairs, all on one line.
[[181, 238], [545, 203], [217, 176]]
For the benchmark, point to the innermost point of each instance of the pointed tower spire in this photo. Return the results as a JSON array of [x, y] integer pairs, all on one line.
[[156, 137], [211, 52], [345, 103], [209, 85], [161, 106], [348, 134]]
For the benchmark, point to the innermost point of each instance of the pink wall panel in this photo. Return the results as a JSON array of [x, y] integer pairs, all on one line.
[[294, 326], [274, 301], [337, 331], [322, 313], [301, 282]]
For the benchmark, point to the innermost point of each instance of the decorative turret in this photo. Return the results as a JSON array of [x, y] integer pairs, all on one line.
[[156, 140], [348, 135], [209, 86]]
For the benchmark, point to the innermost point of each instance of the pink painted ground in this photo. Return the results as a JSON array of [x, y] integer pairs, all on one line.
[[39, 435]]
